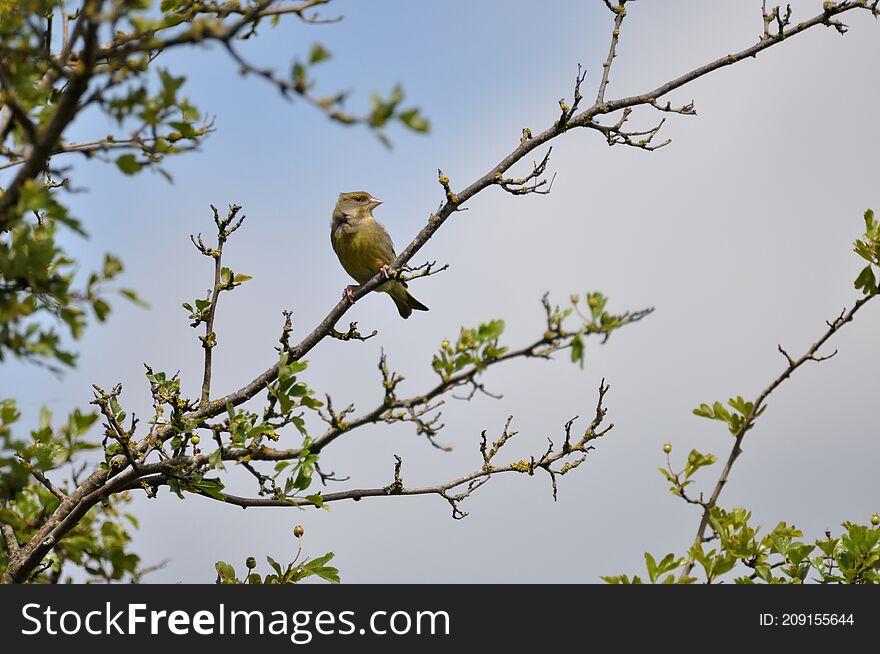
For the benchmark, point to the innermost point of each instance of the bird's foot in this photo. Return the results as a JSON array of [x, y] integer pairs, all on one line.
[[384, 271], [347, 293]]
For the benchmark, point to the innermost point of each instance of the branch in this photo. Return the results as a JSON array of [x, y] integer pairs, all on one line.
[[619, 14], [12, 546], [471, 481], [758, 407], [144, 145], [389, 410], [299, 9], [225, 227], [44, 480]]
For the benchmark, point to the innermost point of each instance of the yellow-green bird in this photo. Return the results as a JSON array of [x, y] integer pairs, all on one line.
[[364, 248]]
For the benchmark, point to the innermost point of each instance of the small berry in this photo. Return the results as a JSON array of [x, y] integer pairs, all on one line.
[[195, 439], [875, 519], [667, 447], [251, 563], [298, 531]]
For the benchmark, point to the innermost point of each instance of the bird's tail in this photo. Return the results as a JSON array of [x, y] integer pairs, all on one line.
[[403, 299]]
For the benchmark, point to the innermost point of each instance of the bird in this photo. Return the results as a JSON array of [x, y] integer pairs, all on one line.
[[364, 248]]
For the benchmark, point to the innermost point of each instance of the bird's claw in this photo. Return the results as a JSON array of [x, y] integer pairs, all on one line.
[[384, 271], [347, 293]]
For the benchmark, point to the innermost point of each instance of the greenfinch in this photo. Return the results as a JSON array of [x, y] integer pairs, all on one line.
[[364, 248]]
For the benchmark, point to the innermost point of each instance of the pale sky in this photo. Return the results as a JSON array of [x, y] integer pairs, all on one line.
[[739, 233]]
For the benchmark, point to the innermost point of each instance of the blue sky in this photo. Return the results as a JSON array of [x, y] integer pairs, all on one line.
[[739, 233]]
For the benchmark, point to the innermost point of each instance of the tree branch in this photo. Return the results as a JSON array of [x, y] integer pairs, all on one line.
[[758, 407], [12, 547], [225, 227], [619, 14], [156, 474], [45, 481]]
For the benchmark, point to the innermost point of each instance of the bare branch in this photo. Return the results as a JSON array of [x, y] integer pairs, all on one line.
[[45, 481], [619, 14]]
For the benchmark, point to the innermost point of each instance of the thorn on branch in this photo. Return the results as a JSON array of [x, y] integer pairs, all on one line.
[[819, 359], [786, 355], [456, 500], [328, 476], [475, 387]]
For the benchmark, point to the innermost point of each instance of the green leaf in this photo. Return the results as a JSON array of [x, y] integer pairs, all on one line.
[[577, 349], [210, 487], [318, 501], [275, 565], [652, 567], [318, 54], [129, 164], [865, 282], [45, 418], [412, 118], [871, 225], [112, 266], [696, 460], [132, 296], [101, 309], [225, 573]]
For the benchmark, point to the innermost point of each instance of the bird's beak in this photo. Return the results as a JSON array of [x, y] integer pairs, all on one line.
[[374, 202]]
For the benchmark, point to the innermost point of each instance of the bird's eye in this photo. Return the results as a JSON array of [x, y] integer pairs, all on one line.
[[361, 198]]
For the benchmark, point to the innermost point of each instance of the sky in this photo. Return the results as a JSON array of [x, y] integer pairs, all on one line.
[[739, 234]]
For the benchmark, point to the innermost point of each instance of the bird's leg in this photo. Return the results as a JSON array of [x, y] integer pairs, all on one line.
[[384, 271], [347, 293]]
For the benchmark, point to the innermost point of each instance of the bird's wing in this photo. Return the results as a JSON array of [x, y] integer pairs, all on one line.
[[384, 244]]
